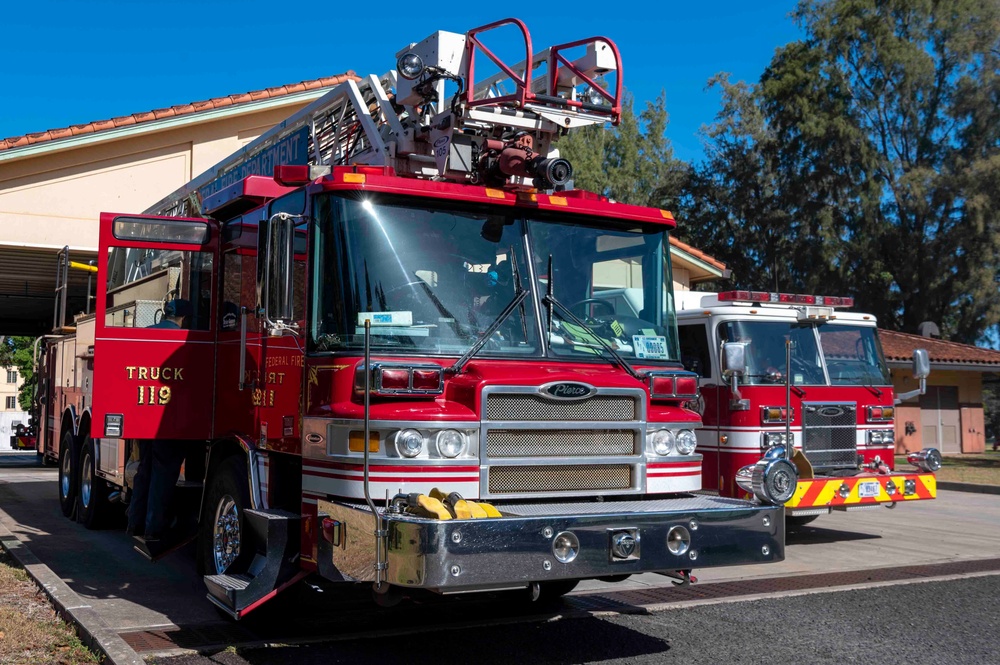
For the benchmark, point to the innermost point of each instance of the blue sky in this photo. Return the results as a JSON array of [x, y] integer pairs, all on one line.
[[68, 62]]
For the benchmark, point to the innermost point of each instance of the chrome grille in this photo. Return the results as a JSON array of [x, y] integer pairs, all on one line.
[[521, 407], [525, 479], [560, 443], [829, 435]]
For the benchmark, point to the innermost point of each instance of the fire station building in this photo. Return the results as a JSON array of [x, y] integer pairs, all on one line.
[[55, 183]]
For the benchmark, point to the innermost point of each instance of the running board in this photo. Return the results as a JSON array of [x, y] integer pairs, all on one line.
[[274, 566]]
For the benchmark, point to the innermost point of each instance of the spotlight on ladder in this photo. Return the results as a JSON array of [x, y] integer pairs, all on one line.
[[410, 66]]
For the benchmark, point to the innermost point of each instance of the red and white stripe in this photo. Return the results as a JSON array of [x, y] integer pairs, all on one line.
[[664, 477], [347, 480]]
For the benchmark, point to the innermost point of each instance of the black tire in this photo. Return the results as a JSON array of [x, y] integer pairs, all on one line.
[[93, 490], [67, 475], [796, 522], [555, 590], [547, 592], [226, 499]]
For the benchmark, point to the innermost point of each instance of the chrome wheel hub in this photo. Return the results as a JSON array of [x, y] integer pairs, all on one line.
[[226, 534], [64, 470], [86, 480]]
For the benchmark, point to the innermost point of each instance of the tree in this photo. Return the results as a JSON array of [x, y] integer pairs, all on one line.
[[18, 352], [887, 121], [634, 163]]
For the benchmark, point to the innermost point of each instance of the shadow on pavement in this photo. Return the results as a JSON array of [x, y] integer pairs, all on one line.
[[811, 535]]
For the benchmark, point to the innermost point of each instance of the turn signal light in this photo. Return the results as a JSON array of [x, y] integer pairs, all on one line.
[[774, 414], [881, 414]]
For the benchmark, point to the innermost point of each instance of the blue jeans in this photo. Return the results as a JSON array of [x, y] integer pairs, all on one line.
[[153, 488]]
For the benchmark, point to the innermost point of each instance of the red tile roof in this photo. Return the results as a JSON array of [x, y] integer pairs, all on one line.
[[173, 111], [697, 253], [899, 347]]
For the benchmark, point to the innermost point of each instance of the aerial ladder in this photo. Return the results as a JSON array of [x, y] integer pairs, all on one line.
[[426, 120]]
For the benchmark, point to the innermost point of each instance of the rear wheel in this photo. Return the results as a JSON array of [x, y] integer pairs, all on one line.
[[94, 490], [224, 546], [67, 475]]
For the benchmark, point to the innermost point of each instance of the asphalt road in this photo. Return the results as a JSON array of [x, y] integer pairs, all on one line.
[[935, 621]]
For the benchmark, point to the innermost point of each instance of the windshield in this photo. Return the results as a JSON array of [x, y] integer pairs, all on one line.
[[852, 353], [614, 281], [430, 280], [766, 351], [434, 279]]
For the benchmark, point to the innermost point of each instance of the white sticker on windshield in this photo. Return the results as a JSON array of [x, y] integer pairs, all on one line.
[[650, 346], [386, 318]]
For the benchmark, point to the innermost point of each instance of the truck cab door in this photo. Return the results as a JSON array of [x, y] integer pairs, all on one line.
[[154, 346]]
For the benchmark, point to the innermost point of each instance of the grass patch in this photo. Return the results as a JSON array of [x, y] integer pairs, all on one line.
[[979, 469], [30, 630]]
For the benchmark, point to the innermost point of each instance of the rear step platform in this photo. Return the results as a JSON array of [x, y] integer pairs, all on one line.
[[275, 535]]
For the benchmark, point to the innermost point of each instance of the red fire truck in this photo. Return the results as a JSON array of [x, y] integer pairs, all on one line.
[[377, 336], [779, 367]]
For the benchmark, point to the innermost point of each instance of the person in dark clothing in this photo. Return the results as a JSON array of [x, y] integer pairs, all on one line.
[[153, 488], [175, 315]]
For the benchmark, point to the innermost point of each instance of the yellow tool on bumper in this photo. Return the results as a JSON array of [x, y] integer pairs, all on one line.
[[438, 505], [427, 506]]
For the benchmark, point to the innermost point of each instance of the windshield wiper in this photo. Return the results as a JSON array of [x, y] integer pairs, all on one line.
[[484, 336], [551, 301]]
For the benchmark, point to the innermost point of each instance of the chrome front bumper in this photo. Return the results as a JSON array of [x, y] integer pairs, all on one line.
[[516, 550]]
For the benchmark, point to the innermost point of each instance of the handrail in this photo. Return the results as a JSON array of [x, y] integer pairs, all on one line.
[[523, 83], [556, 57]]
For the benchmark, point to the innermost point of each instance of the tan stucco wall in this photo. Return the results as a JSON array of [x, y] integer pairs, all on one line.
[[54, 198], [970, 403]]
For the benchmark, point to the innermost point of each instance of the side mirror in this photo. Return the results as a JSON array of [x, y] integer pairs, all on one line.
[[921, 364], [734, 359], [274, 273], [921, 368], [734, 365]]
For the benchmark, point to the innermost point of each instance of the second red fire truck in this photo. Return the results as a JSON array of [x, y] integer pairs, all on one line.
[[778, 368], [377, 337]]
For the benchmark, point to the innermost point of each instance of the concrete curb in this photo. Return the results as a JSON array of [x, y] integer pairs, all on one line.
[[969, 487], [93, 632]]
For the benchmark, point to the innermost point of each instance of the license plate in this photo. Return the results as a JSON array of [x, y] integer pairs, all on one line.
[[868, 489]]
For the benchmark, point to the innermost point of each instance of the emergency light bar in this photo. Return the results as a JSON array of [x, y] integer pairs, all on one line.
[[784, 298]]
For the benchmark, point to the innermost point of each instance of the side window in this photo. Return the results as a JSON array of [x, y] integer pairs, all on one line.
[[158, 288], [229, 314], [694, 348]]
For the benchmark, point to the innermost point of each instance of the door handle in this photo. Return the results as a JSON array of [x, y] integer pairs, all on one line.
[[243, 346]]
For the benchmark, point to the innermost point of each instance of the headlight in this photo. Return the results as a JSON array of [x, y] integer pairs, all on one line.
[[450, 443], [662, 441], [879, 437], [409, 442], [686, 442], [770, 439]]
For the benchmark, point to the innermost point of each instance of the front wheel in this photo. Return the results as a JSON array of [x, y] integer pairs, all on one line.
[[67, 476], [94, 490], [224, 546], [548, 592], [795, 522]]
